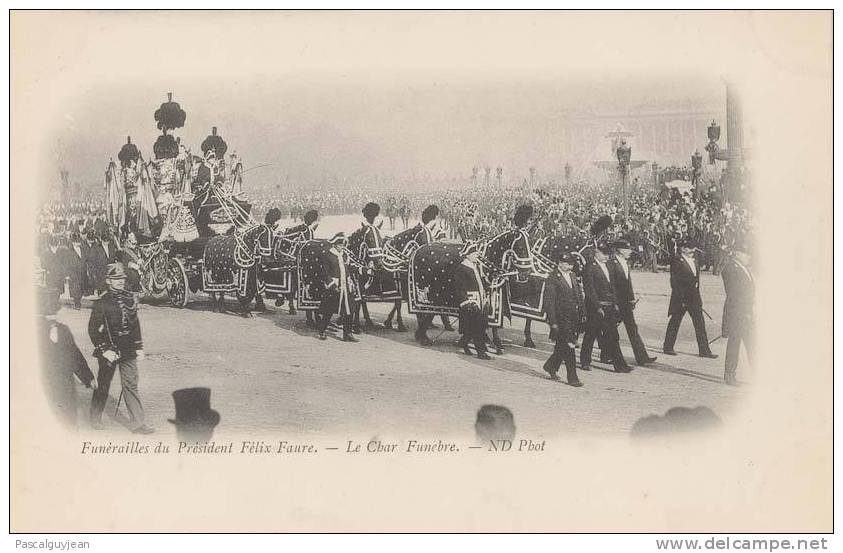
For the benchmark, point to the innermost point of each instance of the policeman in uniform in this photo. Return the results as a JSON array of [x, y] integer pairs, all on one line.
[[115, 331], [564, 305]]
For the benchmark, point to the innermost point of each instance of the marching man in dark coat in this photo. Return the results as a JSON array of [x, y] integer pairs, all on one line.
[[469, 294], [738, 312], [685, 298], [564, 305], [115, 331], [601, 312], [73, 261], [625, 298]]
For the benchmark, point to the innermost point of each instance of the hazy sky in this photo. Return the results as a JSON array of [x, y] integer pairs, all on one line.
[[313, 129], [319, 94]]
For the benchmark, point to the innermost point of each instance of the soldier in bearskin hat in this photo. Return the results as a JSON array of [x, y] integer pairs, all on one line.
[[564, 305], [685, 298]]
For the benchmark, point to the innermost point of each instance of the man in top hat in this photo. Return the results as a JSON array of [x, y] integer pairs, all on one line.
[[195, 420], [738, 311], [469, 294], [564, 305], [625, 298], [74, 261], [685, 298], [115, 331], [601, 312]]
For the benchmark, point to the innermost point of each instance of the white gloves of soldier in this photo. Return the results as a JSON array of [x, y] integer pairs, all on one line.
[[110, 356], [140, 354]]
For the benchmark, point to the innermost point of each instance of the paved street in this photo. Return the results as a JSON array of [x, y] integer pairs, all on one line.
[[271, 374]]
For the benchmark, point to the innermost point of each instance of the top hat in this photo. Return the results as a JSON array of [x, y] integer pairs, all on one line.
[[272, 216], [115, 272], [193, 408]]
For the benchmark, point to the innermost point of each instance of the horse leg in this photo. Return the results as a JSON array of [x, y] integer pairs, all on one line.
[[366, 317], [528, 338], [355, 324], [291, 303], [496, 340], [446, 323], [309, 322], [397, 309], [388, 322], [421, 330]]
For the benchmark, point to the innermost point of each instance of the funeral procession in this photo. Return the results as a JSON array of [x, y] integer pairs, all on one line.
[[195, 287]]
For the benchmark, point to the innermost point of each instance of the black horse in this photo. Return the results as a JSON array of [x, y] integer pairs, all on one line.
[[231, 264], [432, 277]]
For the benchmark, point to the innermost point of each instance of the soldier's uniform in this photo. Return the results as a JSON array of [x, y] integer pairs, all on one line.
[[114, 328]]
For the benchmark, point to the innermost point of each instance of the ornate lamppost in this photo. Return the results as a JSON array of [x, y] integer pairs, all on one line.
[[499, 175], [568, 171]]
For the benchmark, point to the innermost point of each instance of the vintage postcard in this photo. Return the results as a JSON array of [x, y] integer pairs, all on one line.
[[472, 271]]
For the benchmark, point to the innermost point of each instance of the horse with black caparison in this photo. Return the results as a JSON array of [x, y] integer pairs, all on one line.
[[231, 265], [432, 277]]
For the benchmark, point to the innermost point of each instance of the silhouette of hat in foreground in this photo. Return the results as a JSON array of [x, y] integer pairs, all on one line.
[[677, 421], [194, 417], [494, 422]]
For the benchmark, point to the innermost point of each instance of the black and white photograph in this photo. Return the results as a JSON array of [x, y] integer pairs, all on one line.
[[503, 256]]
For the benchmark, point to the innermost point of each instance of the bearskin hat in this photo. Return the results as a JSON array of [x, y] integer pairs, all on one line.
[[310, 216], [430, 213], [272, 216], [522, 215], [371, 210], [601, 224], [129, 152], [214, 142]]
